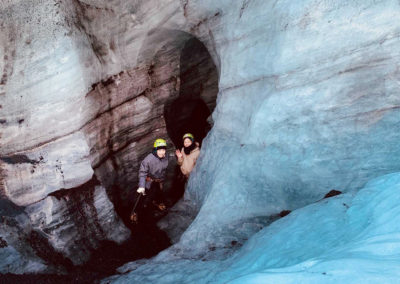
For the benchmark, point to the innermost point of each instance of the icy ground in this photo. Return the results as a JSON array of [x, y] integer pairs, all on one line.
[[343, 239]]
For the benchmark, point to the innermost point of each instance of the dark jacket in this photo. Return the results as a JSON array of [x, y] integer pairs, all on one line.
[[153, 167]]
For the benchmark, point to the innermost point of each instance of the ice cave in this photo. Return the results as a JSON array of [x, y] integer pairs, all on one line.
[[295, 106]]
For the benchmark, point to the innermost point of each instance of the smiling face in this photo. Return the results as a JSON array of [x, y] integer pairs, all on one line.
[[187, 142], [161, 153]]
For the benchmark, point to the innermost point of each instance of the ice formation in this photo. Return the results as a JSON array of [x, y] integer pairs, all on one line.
[[304, 98], [308, 102], [350, 238]]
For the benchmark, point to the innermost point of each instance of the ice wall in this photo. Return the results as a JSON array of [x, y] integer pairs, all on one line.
[[84, 86], [344, 239], [73, 107], [309, 102]]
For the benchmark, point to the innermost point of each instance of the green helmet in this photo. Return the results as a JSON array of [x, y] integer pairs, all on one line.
[[160, 143], [188, 135]]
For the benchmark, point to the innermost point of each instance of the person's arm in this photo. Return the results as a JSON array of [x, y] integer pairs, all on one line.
[[179, 157], [143, 173]]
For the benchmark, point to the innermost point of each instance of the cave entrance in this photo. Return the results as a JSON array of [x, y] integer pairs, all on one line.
[[187, 116], [173, 54], [176, 81], [171, 91], [177, 57], [190, 112]]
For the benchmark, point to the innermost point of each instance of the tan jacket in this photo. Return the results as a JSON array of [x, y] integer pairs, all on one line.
[[187, 162]]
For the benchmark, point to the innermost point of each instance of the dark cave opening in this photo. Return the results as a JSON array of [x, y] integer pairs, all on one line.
[[197, 94], [185, 60], [187, 111], [187, 116]]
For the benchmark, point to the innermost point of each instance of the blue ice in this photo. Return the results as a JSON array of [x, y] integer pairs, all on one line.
[[350, 238]]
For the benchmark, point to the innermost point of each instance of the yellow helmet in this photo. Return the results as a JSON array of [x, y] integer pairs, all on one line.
[[188, 135], [160, 143]]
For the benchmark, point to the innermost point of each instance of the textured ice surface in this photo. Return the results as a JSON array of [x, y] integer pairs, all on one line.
[[309, 102], [309, 99], [14, 262], [350, 238]]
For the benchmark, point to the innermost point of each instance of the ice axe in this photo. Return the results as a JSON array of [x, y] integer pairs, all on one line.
[[133, 213]]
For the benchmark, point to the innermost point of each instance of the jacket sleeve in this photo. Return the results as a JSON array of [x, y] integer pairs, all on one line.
[[143, 172], [180, 160]]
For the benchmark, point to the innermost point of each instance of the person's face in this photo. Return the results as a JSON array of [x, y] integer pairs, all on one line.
[[187, 142], [161, 153]]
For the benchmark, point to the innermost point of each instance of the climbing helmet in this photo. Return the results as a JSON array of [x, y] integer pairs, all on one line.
[[188, 135], [160, 144]]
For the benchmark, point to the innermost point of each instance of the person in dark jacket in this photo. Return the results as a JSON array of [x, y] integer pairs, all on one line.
[[151, 177]]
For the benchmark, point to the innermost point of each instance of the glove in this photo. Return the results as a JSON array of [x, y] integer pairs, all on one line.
[[141, 190]]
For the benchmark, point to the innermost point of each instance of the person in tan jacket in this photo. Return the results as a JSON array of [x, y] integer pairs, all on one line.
[[187, 157]]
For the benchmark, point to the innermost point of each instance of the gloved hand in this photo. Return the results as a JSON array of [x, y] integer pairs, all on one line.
[[141, 190]]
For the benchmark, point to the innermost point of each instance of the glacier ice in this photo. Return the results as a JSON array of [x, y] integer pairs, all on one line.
[[308, 102], [350, 238]]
